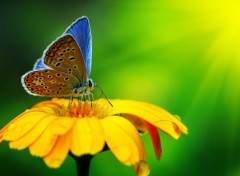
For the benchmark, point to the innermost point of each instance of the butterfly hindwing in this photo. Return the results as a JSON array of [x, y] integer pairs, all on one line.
[[39, 65], [81, 32], [50, 83]]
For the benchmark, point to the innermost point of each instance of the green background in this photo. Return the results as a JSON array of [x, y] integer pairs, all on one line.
[[181, 55]]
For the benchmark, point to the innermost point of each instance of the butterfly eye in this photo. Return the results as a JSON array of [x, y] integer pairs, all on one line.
[[90, 84]]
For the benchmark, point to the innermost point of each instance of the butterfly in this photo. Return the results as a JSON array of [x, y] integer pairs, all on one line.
[[65, 67]]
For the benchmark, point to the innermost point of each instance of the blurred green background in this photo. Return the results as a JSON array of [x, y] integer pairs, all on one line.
[[181, 55]]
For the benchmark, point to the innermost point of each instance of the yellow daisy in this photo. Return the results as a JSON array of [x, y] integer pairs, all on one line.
[[52, 130]]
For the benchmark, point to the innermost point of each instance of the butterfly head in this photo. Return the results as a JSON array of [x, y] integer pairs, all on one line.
[[85, 88], [91, 85]]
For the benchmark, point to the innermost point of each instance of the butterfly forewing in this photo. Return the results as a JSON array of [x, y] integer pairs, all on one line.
[[50, 83], [81, 32], [64, 55]]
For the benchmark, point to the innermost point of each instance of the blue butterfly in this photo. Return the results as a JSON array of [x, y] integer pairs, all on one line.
[[65, 67]]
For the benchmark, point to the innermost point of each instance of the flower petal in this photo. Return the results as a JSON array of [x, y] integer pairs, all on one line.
[[22, 125], [44, 144], [59, 152], [34, 133], [9, 125], [155, 139], [150, 113], [62, 124], [49, 105], [87, 137], [123, 140], [143, 125], [137, 122]]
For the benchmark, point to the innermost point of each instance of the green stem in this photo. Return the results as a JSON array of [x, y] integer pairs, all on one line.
[[83, 164]]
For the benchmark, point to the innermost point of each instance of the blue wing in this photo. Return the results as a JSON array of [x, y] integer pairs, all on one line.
[[81, 32], [39, 65]]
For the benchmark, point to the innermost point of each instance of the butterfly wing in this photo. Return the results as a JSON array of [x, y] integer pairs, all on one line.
[[49, 83], [39, 65], [64, 55], [81, 32]]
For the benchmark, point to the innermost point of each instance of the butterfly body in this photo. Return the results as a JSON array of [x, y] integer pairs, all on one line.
[[64, 69]]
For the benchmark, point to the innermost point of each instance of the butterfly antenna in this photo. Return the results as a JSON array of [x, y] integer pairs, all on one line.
[[104, 95]]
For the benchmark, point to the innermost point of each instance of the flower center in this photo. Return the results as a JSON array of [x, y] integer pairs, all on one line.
[[83, 109]]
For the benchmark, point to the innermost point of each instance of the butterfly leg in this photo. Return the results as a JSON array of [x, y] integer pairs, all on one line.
[[91, 97], [81, 99], [70, 101], [71, 97]]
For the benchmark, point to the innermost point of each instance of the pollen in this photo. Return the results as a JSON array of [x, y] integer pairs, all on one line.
[[82, 109]]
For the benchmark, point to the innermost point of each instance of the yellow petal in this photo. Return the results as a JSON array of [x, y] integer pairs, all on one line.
[[62, 124], [136, 122], [123, 139], [87, 137], [43, 145], [7, 127], [34, 133], [22, 125], [60, 151], [152, 114]]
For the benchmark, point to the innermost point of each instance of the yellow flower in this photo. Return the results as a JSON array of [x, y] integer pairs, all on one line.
[[51, 130]]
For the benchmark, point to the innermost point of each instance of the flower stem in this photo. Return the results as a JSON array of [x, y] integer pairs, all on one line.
[[83, 164]]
